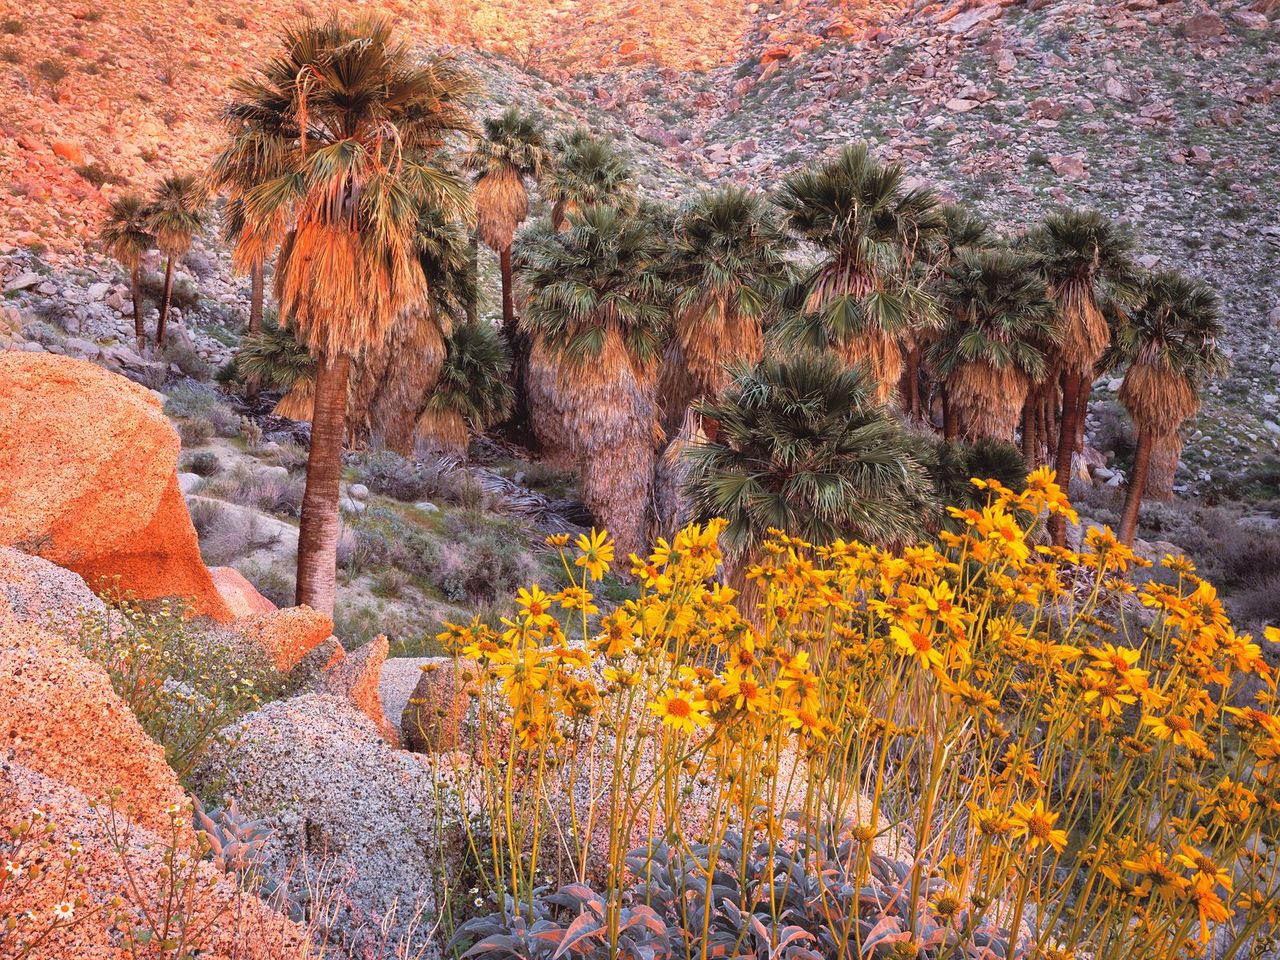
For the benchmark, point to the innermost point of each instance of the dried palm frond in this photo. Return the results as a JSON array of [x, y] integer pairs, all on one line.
[[299, 402], [441, 431], [415, 358], [502, 204]]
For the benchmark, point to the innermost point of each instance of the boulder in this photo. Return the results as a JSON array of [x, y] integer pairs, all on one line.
[[62, 719], [433, 718], [225, 924], [37, 592], [241, 597], [356, 676], [287, 635], [1203, 26], [337, 796], [90, 481]]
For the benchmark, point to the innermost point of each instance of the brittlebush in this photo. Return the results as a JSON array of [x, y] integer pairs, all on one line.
[[1071, 754]]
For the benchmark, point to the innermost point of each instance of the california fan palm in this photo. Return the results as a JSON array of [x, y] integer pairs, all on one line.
[[175, 215], [363, 118], [869, 227], [803, 446], [127, 236], [587, 170], [993, 348], [1171, 344], [958, 228], [472, 392], [597, 320], [728, 267], [1087, 260]]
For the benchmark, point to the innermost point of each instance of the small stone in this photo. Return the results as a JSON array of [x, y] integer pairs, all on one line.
[[24, 281], [358, 491], [187, 482], [426, 506]]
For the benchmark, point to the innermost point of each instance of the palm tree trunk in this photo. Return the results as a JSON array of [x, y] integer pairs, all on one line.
[[473, 270], [910, 385], [257, 294], [318, 533], [508, 304], [1137, 486], [135, 290], [164, 305], [1066, 448], [1030, 410], [950, 417]]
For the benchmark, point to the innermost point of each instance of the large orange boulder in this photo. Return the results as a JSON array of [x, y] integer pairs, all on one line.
[[356, 676], [90, 480], [111, 874], [241, 597], [286, 636], [62, 719]]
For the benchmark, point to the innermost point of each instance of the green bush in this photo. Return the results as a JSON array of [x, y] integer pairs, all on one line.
[[196, 431], [185, 687], [199, 400]]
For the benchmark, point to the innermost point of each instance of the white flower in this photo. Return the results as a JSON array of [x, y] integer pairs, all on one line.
[[12, 868], [64, 910]]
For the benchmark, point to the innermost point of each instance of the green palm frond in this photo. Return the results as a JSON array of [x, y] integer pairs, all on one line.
[[126, 232], [1176, 328], [176, 212], [514, 142], [601, 272], [1084, 246], [999, 313], [474, 381], [274, 357], [801, 445], [588, 171]]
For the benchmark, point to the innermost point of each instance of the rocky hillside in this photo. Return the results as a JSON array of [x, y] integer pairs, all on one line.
[[1165, 114]]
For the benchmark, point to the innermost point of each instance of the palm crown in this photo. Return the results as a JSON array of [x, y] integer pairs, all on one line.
[[176, 213], [359, 119], [588, 171], [126, 232], [513, 146], [600, 274], [801, 446]]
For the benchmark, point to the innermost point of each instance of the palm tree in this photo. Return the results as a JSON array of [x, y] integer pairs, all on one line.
[[588, 170], [953, 464], [597, 319], [126, 236], [959, 228], [512, 149], [1087, 261], [251, 156], [802, 445], [729, 264], [472, 393], [273, 357], [175, 215], [1171, 344], [993, 349], [363, 118], [396, 377], [869, 228]]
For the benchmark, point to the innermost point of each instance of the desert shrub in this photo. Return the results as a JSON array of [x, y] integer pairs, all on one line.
[[1047, 740], [51, 73], [204, 464], [390, 583], [291, 456], [183, 355], [268, 492], [200, 400], [185, 295], [99, 175], [394, 476], [185, 687], [483, 567], [11, 26], [225, 534], [196, 430]]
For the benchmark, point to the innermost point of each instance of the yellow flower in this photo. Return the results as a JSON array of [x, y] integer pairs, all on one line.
[[1209, 906], [576, 598], [916, 645], [682, 710], [1177, 728], [536, 605], [1036, 824], [743, 691], [807, 723], [596, 553], [1202, 867]]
